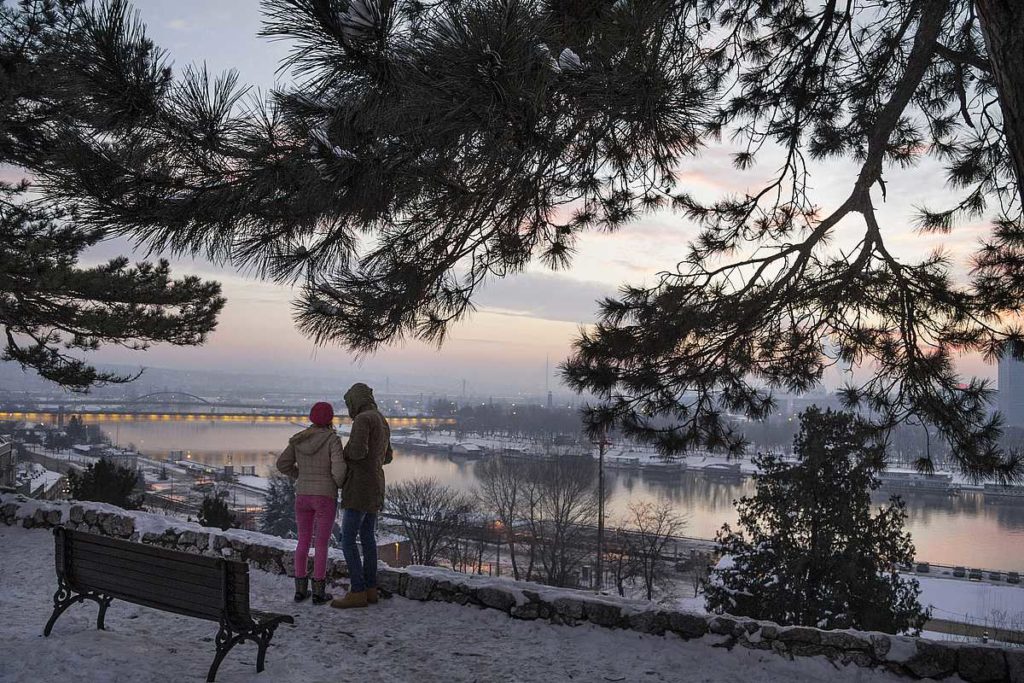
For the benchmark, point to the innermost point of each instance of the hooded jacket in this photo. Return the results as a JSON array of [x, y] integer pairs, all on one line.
[[367, 451], [314, 460]]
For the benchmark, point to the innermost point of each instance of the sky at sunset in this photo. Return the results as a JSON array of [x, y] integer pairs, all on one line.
[[520, 321]]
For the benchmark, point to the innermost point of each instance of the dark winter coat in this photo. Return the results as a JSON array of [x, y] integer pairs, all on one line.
[[315, 461], [367, 451]]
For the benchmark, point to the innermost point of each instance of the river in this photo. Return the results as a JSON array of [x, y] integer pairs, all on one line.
[[970, 529]]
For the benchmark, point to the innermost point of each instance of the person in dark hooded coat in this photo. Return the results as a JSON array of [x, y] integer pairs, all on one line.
[[362, 494]]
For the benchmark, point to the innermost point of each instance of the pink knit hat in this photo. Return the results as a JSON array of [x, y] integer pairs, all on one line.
[[321, 414]]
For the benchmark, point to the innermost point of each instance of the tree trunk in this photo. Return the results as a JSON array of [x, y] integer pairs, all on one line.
[[1002, 24], [512, 555]]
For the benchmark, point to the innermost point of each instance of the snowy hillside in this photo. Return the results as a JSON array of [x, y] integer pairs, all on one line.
[[397, 640]]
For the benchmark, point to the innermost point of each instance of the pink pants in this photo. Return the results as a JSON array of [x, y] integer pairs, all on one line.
[[314, 512]]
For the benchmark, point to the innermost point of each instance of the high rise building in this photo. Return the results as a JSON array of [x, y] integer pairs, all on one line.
[[1011, 390]]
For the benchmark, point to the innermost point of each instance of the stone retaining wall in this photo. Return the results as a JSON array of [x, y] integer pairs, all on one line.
[[913, 657]]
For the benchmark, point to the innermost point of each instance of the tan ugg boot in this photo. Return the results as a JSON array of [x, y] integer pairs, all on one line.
[[350, 600], [371, 596]]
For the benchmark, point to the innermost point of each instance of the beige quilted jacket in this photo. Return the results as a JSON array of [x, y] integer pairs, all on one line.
[[314, 459]]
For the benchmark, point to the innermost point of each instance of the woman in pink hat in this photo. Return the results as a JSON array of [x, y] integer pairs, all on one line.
[[314, 460]]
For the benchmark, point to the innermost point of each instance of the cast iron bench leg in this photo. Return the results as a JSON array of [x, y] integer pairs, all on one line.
[[226, 640], [65, 597], [263, 640], [104, 604]]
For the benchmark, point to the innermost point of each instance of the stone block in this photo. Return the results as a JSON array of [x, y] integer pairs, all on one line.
[[932, 660], [419, 587], [389, 580], [798, 649], [529, 611], [202, 542], [723, 625], [649, 621], [495, 598], [746, 627], [446, 591], [568, 608], [77, 514], [756, 644], [687, 625], [39, 518], [1015, 665], [799, 634], [602, 614], [880, 645], [980, 664], [844, 640], [862, 659]]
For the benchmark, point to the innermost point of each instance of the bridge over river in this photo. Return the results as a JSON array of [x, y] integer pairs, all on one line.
[[59, 416]]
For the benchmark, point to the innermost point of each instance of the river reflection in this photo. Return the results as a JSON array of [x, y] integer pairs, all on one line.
[[970, 529]]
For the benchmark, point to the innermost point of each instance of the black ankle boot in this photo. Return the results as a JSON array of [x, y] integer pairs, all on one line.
[[320, 594], [301, 588]]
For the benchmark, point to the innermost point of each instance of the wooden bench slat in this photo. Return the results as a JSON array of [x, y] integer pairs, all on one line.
[[150, 565], [142, 550], [86, 550], [122, 561], [165, 595], [210, 590]]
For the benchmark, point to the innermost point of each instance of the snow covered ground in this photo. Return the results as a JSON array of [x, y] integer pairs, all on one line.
[[973, 602], [397, 640], [950, 599]]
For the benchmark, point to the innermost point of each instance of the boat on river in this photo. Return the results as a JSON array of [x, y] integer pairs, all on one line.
[[661, 466], [722, 469], [916, 481], [1003, 491]]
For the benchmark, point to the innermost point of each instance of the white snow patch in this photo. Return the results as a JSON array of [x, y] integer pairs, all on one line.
[[901, 649]]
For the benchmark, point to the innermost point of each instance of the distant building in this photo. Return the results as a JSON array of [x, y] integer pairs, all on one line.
[[8, 464], [122, 457], [394, 550], [1011, 390], [35, 481]]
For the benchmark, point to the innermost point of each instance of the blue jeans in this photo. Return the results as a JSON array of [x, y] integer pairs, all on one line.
[[362, 573]]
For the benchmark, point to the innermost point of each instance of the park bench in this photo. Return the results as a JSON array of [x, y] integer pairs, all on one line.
[[101, 569]]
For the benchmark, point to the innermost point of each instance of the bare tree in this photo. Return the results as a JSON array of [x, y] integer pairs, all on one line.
[[651, 528], [503, 493], [700, 569], [564, 504], [430, 514], [465, 552], [619, 559], [530, 512]]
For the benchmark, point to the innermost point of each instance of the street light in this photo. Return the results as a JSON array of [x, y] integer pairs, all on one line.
[[601, 444]]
